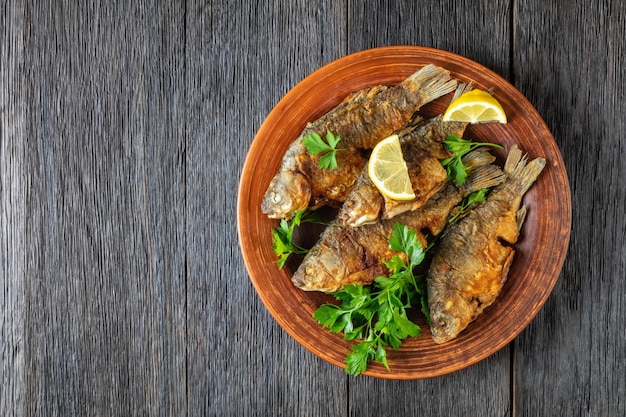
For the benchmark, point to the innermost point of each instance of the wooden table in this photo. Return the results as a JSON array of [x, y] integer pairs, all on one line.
[[124, 126]]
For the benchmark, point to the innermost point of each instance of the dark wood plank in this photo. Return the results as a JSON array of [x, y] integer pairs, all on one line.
[[477, 30], [241, 61], [480, 32], [484, 386], [12, 207], [569, 62], [123, 129], [105, 276]]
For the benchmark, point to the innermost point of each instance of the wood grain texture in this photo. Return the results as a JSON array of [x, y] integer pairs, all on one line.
[[124, 126], [479, 31], [484, 386], [241, 61], [105, 272], [12, 210], [570, 63]]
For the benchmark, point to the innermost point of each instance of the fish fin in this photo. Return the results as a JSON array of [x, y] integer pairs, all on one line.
[[416, 121], [461, 89], [485, 176], [520, 217], [364, 277], [515, 162], [432, 81], [478, 157], [522, 173]]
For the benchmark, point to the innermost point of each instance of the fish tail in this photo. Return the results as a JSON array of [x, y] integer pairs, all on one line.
[[484, 176], [432, 81], [522, 174]]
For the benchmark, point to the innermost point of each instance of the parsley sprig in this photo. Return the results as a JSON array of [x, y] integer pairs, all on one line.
[[377, 314], [282, 236], [475, 197], [316, 145], [456, 170]]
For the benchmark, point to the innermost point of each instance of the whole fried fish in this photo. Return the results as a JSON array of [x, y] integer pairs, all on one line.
[[361, 120], [434, 215], [471, 264], [348, 255], [422, 148]]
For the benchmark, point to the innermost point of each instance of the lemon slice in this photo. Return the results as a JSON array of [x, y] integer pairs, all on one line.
[[388, 172], [476, 106]]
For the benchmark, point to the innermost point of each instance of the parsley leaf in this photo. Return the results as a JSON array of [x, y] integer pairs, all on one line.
[[475, 197], [316, 145], [377, 314], [455, 168], [282, 236], [356, 362], [405, 240]]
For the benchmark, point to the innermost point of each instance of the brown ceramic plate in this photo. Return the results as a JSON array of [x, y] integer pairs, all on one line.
[[540, 251]]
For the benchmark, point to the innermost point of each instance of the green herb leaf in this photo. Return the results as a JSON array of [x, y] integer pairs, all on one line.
[[405, 240], [381, 355], [475, 197], [332, 140], [316, 145], [377, 314], [407, 326], [328, 160], [282, 236], [327, 315], [356, 362], [455, 168]]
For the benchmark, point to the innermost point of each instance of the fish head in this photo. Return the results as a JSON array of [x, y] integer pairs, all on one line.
[[359, 212], [288, 193], [321, 270], [449, 315]]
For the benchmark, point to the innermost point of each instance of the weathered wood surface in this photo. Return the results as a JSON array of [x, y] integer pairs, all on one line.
[[124, 126]]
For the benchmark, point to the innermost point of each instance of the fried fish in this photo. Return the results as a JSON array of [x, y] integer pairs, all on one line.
[[471, 265], [349, 255], [361, 120], [422, 148]]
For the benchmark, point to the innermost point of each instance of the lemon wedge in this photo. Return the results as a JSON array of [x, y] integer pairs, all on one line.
[[476, 106], [388, 171]]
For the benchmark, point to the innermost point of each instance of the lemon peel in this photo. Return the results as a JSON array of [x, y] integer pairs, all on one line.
[[476, 106]]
